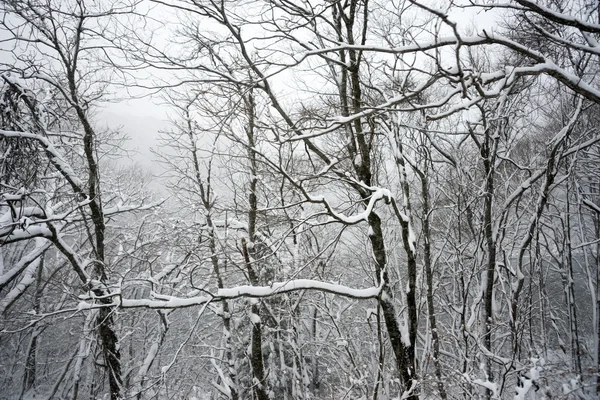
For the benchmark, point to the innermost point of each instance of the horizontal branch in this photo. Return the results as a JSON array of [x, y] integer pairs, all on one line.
[[277, 288], [295, 285]]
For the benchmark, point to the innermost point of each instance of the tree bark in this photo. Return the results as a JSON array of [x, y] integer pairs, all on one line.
[[260, 384], [256, 357], [404, 352]]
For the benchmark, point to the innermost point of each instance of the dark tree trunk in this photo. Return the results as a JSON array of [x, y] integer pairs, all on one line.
[[488, 162], [256, 358], [404, 352], [110, 350]]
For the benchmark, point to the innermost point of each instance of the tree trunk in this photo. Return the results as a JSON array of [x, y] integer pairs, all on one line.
[[573, 322], [488, 154], [256, 357], [429, 278], [258, 372], [31, 360], [404, 352]]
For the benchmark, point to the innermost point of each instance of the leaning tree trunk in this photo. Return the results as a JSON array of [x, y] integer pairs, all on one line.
[[31, 360]]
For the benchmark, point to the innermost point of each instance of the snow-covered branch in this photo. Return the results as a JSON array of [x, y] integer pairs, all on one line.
[[295, 285], [53, 155], [166, 302]]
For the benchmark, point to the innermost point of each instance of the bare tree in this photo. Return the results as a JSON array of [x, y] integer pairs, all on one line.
[[63, 41]]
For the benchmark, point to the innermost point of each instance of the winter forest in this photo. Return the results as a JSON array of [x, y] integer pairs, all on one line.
[[357, 199]]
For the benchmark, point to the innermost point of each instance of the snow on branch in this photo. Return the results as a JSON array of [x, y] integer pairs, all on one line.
[[54, 157], [560, 18], [16, 292], [543, 64], [166, 302], [299, 284], [582, 146], [527, 381], [160, 301], [21, 265], [378, 194], [11, 222], [26, 233], [591, 205]]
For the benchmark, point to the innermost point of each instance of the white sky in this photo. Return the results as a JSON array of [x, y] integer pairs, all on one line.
[[142, 119]]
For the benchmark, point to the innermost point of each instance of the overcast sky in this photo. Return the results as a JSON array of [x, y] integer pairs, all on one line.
[[142, 119]]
